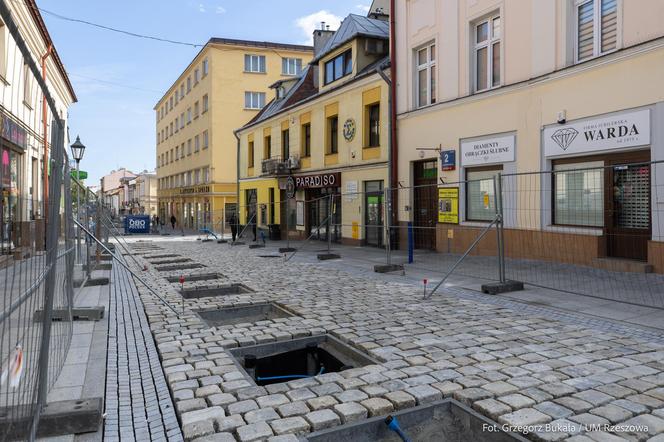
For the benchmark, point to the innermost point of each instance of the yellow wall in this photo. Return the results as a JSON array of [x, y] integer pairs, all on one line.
[[263, 197]]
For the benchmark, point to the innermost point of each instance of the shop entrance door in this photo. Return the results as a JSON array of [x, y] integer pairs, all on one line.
[[373, 232], [425, 204], [628, 208], [320, 205]]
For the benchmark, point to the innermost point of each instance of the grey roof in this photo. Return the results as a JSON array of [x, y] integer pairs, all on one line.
[[352, 27]]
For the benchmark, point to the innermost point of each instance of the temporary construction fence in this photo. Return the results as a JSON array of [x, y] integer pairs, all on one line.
[[593, 228]]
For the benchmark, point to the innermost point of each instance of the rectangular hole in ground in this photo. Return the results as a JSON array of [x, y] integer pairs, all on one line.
[[216, 290], [169, 261], [198, 277], [245, 314], [446, 420], [170, 268], [166, 255], [285, 361]]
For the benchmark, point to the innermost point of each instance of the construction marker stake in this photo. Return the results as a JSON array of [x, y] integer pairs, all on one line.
[[425, 287], [182, 291]]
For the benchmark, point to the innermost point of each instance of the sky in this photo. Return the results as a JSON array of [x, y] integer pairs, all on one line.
[[118, 79]]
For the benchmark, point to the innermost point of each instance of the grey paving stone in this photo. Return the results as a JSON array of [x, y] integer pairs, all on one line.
[[254, 432], [321, 403], [377, 406], [350, 412], [400, 399], [299, 408], [319, 420], [290, 425], [491, 408], [261, 415], [524, 417]]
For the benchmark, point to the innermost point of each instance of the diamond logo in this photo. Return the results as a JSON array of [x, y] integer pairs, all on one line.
[[564, 137]]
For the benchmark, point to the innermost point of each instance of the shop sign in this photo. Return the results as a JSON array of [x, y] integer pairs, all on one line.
[[191, 190], [351, 190], [448, 160], [290, 187], [488, 151], [318, 181], [13, 132], [137, 224], [448, 205], [615, 132]]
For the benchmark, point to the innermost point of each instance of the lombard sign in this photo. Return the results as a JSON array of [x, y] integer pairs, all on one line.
[[137, 224], [318, 181], [615, 132], [491, 150]]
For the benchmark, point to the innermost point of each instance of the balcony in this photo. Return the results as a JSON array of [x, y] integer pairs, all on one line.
[[278, 166]]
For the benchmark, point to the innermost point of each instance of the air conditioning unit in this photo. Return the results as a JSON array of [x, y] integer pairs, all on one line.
[[293, 163]]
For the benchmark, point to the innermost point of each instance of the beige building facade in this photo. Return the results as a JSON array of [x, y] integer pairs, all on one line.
[[225, 86], [554, 87]]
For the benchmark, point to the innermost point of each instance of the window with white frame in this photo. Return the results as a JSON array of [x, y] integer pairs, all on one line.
[[480, 193], [206, 67], [596, 28], [189, 147], [291, 66], [197, 143], [182, 151], [254, 63], [206, 175], [486, 53], [579, 194], [182, 90], [197, 108], [206, 139], [254, 100], [425, 61], [182, 120], [188, 115], [177, 126], [188, 84], [206, 103]]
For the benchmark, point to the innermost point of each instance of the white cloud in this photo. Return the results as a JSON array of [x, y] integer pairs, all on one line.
[[201, 7], [363, 8], [220, 10], [311, 22]]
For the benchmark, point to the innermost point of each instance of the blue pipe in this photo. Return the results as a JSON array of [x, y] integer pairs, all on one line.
[[410, 242], [290, 376], [393, 424]]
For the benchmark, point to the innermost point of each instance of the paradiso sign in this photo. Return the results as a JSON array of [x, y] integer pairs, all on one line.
[[137, 224], [615, 132], [318, 181]]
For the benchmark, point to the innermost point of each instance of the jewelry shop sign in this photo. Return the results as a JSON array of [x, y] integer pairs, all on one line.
[[488, 150], [619, 131]]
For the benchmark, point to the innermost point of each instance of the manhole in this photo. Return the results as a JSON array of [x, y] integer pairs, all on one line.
[[197, 277], [170, 268], [170, 261], [238, 315], [300, 358], [446, 420], [213, 291]]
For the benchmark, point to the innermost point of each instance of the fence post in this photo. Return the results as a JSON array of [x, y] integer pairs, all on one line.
[[386, 224], [498, 194], [329, 224], [52, 232]]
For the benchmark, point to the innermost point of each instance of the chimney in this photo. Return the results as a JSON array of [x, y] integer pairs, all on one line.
[[321, 37]]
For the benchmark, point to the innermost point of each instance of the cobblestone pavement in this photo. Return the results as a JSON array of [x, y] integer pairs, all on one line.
[[518, 366], [138, 404]]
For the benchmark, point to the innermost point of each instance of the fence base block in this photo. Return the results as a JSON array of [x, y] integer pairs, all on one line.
[[502, 287], [222, 241], [237, 243], [387, 268], [287, 249], [57, 419], [206, 240], [327, 256], [91, 282], [77, 314], [100, 266], [256, 246]]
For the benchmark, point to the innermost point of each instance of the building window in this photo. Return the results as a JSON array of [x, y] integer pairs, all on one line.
[[188, 84], [196, 109], [480, 194], [578, 194], [176, 97], [177, 153], [197, 176], [171, 129], [254, 100], [188, 115], [426, 75], [189, 147], [254, 63], [206, 103], [206, 175], [27, 84], [373, 128], [177, 126], [285, 144], [182, 90], [182, 151], [291, 66], [196, 76], [206, 67], [267, 147], [333, 134], [170, 104], [306, 140], [182, 120], [250, 155], [487, 53], [206, 139], [339, 67], [197, 143], [596, 28]]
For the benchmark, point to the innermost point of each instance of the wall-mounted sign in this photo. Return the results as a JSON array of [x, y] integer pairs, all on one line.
[[448, 160], [448, 205], [349, 129], [290, 187], [82, 175], [351, 190], [488, 150], [619, 131], [137, 224], [199, 189], [318, 181], [13, 132]]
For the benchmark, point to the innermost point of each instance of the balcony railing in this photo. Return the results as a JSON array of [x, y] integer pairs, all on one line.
[[280, 166]]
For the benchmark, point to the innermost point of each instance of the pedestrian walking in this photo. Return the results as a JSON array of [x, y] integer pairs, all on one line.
[[233, 222], [173, 221]]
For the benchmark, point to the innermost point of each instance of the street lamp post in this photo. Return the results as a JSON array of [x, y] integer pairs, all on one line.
[[77, 151]]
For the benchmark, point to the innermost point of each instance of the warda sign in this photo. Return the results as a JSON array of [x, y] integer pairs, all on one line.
[[615, 132]]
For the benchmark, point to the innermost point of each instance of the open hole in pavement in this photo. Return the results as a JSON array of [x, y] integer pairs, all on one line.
[[169, 261], [197, 277], [285, 361], [171, 268], [446, 420], [270, 256], [238, 315], [165, 255], [216, 290]]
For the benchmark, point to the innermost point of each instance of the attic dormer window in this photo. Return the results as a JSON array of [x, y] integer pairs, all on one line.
[[339, 67], [281, 92]]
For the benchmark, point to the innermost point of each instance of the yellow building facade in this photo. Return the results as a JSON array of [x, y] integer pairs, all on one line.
[[324, 140], [225, 86]]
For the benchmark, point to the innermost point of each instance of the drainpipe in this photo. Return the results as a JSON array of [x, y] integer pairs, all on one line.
[[380, 70], [394, 148], [49, 50], [237, 180]]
